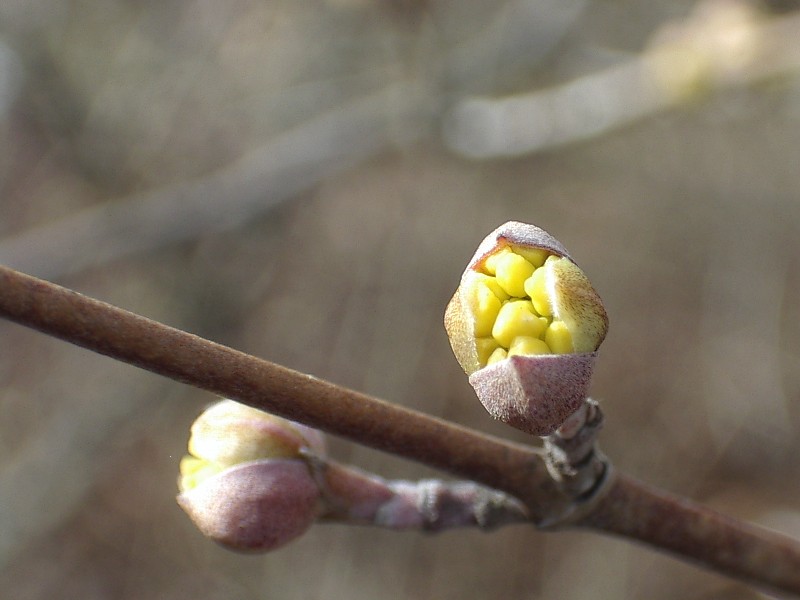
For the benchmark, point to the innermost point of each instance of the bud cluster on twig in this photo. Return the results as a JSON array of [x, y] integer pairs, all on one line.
[[525, 324], [254, 482]]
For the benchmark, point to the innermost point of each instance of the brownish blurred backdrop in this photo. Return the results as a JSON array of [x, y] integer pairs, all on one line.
[[305, 180]]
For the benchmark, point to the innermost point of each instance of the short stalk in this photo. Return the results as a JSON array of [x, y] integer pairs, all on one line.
[[573, 460]]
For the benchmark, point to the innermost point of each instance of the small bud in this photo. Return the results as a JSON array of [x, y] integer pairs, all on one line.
[[529, 349], [246, 483]]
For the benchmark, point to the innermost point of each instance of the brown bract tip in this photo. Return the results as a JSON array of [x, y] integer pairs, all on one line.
[[255, 506], [520, 234], [535, 393]]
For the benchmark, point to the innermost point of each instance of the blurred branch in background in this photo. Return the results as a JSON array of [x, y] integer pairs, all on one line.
[[518, 35], [257, 182], [724, 44]]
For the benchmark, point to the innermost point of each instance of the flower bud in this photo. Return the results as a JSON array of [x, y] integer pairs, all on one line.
[[525, 324], [245, 482]]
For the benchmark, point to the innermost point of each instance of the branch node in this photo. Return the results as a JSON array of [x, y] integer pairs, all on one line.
[[582, 472]]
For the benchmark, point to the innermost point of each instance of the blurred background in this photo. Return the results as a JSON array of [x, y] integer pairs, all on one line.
[[305, 180]]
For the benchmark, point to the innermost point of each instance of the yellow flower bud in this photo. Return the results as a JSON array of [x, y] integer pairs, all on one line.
[[245, 482], [504, 295], [547, 311]]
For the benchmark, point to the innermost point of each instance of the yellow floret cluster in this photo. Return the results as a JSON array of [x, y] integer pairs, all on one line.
[[511, 302]]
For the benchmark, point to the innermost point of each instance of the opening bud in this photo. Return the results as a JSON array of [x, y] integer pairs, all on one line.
[[245, 482], [525, 324]]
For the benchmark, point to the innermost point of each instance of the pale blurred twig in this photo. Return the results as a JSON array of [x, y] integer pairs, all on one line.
[[283, 167], [724, 44], [519, 34]]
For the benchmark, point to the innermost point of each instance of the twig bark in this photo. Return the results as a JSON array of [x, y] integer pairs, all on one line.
[[184, 357], [638, 511], [629, 508], [356, 497]]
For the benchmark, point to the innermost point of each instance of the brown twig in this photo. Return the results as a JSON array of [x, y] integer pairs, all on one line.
[[628, 509], [188, 358], [635, 510]]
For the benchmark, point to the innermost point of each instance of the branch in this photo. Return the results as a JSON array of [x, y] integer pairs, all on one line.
[[65, 314], [629, 508]]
